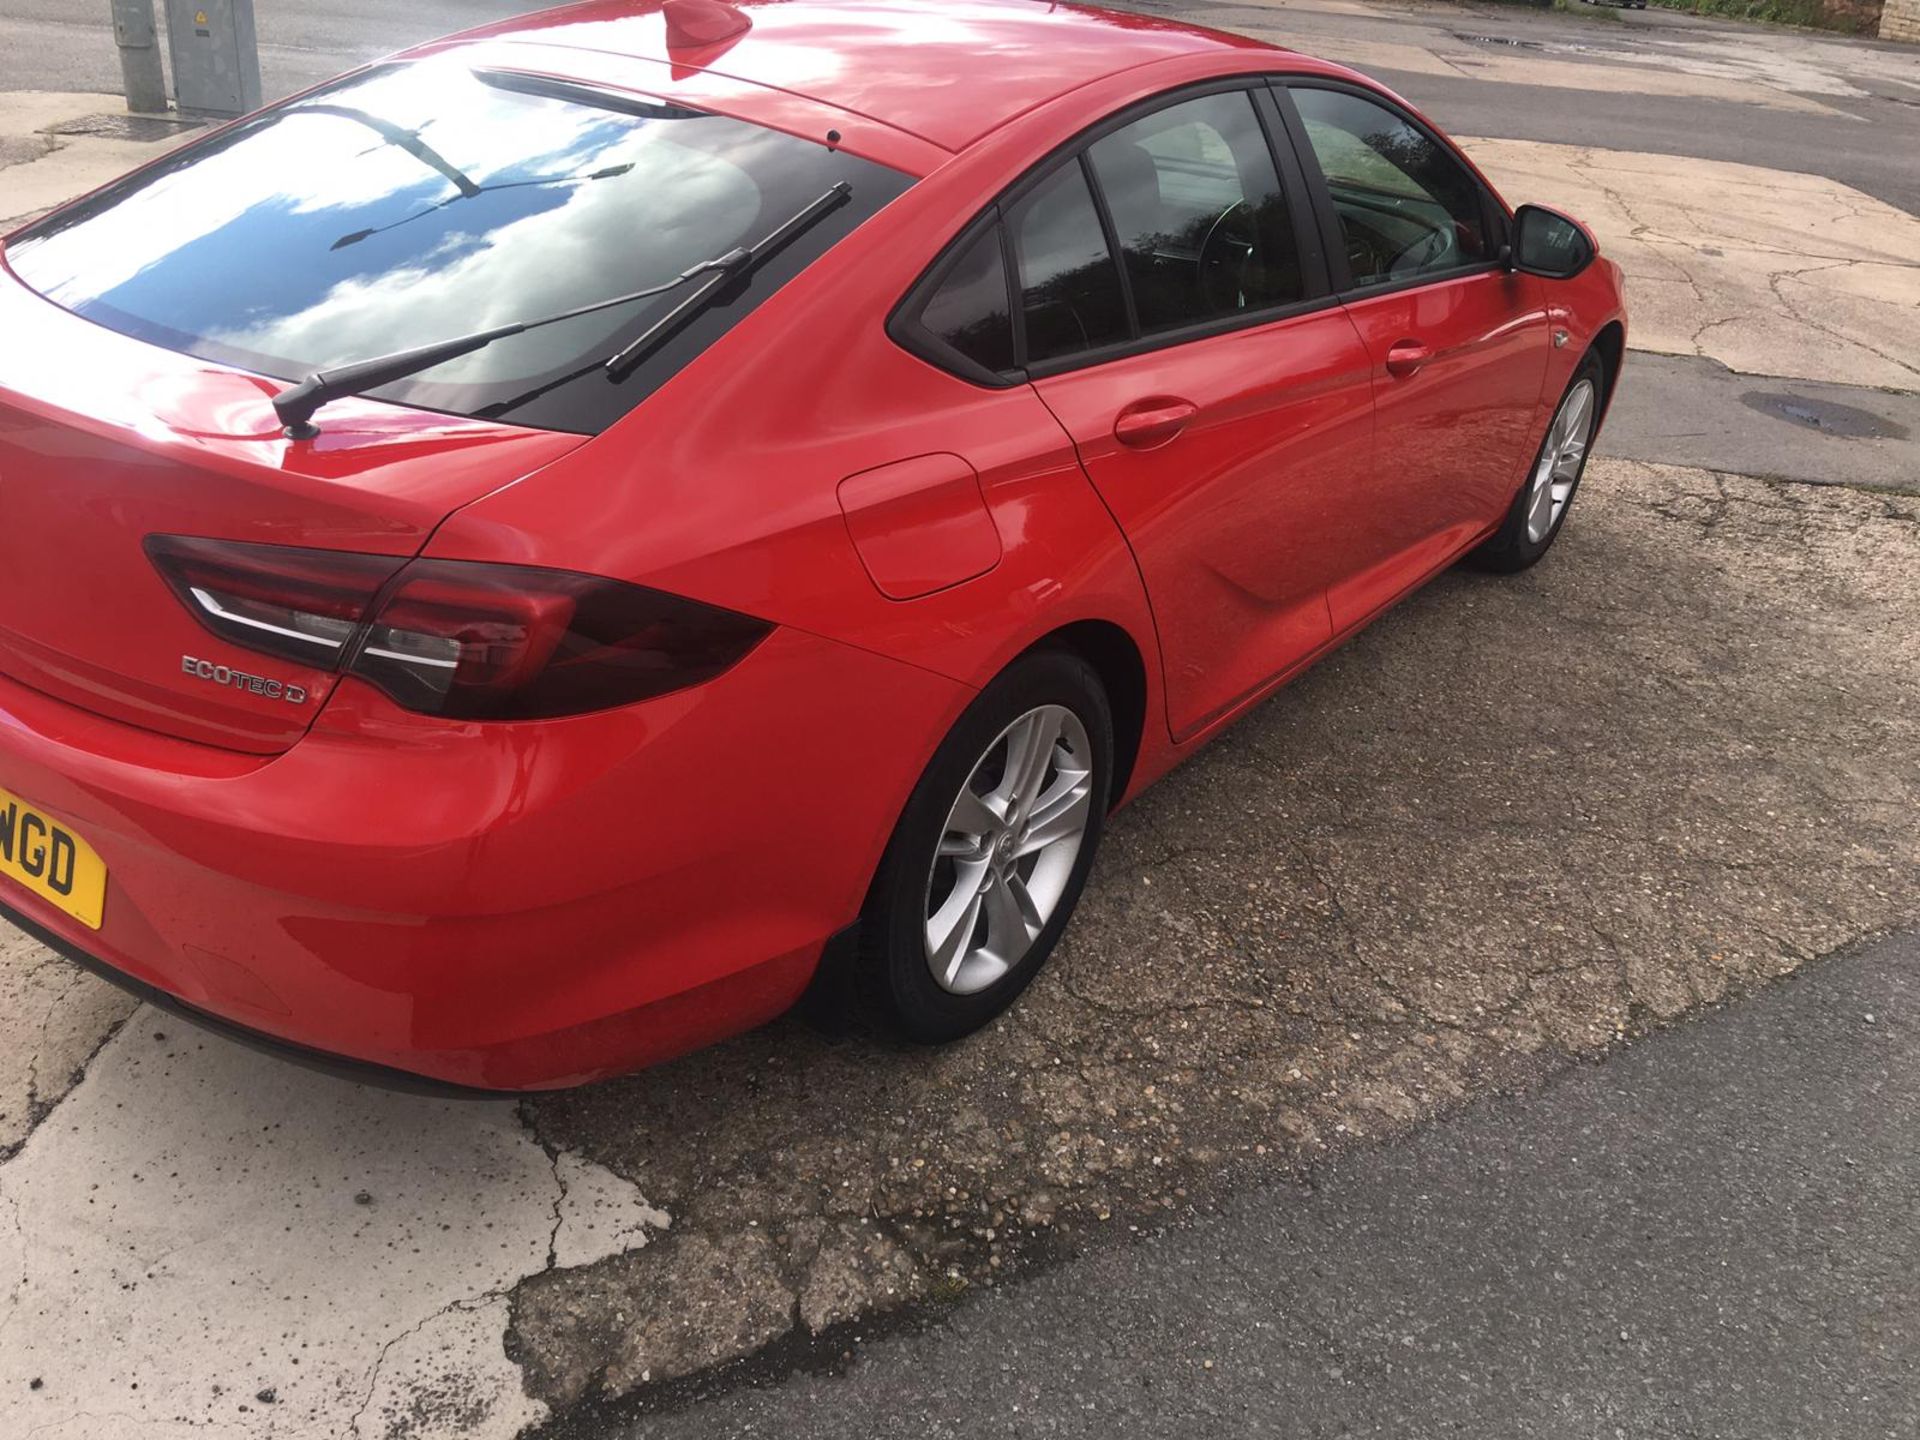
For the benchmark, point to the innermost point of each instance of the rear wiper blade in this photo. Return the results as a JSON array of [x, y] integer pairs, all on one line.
[[734, 264], [297, 404]]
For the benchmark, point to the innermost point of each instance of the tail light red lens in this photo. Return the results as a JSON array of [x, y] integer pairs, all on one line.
[[458, 638], [508, 642]]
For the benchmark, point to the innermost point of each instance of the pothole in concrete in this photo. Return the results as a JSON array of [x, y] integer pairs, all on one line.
[[1827, 416], [124, 127]]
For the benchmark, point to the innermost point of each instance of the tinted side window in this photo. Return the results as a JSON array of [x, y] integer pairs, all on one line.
[[1069, 286], [1198, 211], [1407, 207], [970, 311]]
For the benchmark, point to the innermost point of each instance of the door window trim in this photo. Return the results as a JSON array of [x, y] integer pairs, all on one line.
[[1493, 212], [1303, 214]]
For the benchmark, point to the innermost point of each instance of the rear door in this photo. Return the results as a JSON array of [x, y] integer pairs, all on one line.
[[1456, 342], [1175, 315]]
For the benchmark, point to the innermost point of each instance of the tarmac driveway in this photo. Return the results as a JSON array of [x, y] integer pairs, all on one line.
[[1515, 825]]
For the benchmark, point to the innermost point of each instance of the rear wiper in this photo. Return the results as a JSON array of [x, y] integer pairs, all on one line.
[[297, 404], [733, 265]]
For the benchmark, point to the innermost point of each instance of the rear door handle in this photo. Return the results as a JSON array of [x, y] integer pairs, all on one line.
[[1404, 357], [1147, 423]]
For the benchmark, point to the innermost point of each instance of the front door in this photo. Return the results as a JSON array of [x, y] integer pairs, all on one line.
[[1231, 414], [1457, 343]]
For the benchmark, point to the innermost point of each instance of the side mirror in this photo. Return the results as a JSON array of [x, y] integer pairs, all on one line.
[[1547, 243]]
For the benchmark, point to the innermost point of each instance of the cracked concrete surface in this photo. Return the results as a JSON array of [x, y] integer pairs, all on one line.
[[1766, 271], [1515, 823], [224, 1242], [53, 1017], [1518, 822]]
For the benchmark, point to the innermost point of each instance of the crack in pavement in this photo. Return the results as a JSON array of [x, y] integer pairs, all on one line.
[[1564, 861], [1773, 283], [352, 1251], [12, 1308], [465, 1303], [40, 1095], [1706, 247]]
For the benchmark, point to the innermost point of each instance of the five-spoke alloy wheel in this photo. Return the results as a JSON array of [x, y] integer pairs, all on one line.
[[1009, 848], [1540, 509], [991, 852], [1564, 455]]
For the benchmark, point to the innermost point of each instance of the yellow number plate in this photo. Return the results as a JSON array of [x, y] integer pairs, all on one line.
[[51, 861]]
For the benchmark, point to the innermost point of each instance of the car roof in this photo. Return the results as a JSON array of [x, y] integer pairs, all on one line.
[[947, 71]]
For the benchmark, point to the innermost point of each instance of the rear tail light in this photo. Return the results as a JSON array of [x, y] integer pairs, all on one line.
[[457, 638], [301, 605]]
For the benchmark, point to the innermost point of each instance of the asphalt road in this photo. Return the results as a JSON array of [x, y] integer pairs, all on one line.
[[1877, 160], [1712, 1234], [1837, 146], [67, 45], [1689, 410]]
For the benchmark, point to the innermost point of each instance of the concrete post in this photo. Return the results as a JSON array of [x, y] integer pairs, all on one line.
[[139, 42]]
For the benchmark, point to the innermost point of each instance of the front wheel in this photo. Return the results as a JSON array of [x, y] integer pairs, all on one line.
[[992, 851], [1540, 509]]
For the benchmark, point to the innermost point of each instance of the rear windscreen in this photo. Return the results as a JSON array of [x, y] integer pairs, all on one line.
[[417, 203]]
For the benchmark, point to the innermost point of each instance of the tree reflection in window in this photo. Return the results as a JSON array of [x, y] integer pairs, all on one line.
[[1198, 209], [1069, 289], [1406, 206]]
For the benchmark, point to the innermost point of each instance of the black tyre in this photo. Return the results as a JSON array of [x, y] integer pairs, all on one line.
[[1545, 497], [992, 852]]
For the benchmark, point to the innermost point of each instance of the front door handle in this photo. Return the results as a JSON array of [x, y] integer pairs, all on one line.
[[1404, 357], [1148, 423]]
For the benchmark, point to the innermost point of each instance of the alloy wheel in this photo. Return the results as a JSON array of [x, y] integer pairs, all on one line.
[[1007, 853], [1558, 469]]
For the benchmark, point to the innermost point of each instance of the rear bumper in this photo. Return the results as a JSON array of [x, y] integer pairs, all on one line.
[[501, 907], [359, 1071]]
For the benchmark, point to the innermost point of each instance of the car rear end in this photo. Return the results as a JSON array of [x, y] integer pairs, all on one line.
[[261, 749]]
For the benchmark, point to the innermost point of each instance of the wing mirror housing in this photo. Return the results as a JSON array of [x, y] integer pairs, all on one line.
[[1549, 244]]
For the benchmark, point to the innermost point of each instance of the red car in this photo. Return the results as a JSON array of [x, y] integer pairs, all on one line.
[[521, 560]]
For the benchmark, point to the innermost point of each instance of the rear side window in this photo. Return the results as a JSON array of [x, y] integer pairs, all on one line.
[[1070, 295], [969, 312], [1199, 213], [422, 202], [1407, 207]]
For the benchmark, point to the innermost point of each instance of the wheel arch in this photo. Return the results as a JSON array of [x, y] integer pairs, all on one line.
[[1610, 344], [1122, 669]]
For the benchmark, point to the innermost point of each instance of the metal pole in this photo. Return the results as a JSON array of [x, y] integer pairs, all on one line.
[[139, 42]]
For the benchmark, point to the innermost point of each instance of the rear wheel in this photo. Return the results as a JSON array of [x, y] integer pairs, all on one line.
[[1540, 509], [992, 851]]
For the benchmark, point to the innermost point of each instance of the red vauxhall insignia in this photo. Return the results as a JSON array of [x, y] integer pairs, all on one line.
[[521, 560]]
